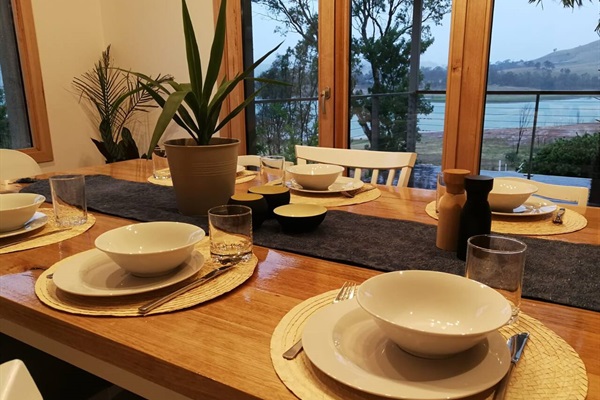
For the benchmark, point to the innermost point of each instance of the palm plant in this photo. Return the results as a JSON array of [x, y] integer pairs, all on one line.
[[112, 98], [196, 106]]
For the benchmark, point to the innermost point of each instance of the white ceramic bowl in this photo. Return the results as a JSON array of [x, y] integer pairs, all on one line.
[[506, 195], [18, 208], [433, 314], [315, 176], [150, 248]]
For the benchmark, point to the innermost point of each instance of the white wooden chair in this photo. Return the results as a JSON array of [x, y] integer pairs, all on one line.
[[568, 194], [375, 161], [249, 161], [15, 164], [254, 161]]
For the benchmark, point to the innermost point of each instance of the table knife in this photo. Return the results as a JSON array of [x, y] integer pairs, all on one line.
[[516, 344], [146, 308]]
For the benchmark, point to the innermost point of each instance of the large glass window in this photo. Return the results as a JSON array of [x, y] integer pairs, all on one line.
[[23, 118], [387, 106], [543, 109]]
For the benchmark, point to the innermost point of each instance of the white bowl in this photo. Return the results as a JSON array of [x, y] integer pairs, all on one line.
[[315, 176], [433, 314], [150, 248], [18, 208], [506, 195]]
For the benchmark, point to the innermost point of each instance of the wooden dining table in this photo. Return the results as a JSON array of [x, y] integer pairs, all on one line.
[[221, 349]]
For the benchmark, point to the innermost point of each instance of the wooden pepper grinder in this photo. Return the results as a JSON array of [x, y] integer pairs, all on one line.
[[449, 209]]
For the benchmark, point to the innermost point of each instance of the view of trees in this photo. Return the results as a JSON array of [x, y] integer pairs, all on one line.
[[380, 49], [577, 156], [523, 74]]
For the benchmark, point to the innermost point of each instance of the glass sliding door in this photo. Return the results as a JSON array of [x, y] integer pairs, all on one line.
[[543, 109]]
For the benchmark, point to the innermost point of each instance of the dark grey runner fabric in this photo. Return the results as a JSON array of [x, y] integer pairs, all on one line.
[[556, 271]]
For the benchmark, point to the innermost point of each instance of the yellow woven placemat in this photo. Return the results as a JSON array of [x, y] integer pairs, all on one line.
[[367, 193], [540, 225], [549, 367], [126, 306], [244, 176], [36, 240]]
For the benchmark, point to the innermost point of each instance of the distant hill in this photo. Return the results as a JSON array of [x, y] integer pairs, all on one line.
[[579, 60]]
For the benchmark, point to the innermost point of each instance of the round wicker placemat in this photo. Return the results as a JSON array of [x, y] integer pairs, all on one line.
[[365, 194], [541, 225], [549, 367], [34, 241], [244, 176], [127, 306]]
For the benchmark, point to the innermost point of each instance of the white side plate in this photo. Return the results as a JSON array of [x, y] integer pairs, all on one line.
[[533, 206], [344, 342], [341, 184], [93, 273], [38, 220]]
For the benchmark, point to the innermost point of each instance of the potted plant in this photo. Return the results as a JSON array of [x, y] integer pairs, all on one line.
[[113, 98], [203, 167]]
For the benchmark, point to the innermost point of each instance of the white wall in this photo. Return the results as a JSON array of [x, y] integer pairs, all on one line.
[[145, 35]]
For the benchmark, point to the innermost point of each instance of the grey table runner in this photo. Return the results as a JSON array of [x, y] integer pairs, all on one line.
[[556, 271]]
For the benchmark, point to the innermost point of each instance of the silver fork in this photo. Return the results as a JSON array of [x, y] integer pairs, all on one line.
[[346, 292]]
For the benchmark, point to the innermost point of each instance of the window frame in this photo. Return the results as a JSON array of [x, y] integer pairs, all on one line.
[[33, 86], [468, 59]]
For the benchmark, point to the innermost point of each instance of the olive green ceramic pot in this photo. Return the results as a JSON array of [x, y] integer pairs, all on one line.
[[203, 176]]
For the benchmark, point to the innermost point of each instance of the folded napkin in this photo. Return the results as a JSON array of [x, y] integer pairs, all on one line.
[[556, 271]]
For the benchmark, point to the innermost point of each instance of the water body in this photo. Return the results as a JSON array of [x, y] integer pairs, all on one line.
[[552, 112]]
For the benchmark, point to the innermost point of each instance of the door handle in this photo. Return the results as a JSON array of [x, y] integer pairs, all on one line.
[[324, 96]]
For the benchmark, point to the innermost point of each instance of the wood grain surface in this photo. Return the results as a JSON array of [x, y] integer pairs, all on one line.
[[220, 349]]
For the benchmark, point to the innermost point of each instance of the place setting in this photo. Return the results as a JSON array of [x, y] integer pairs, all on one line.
[[325, 185], [24, 224], [517, 210], [152, 267], [421, 335]]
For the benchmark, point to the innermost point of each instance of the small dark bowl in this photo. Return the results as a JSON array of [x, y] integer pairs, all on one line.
[[300, 217], [275, 195], [256, 202]]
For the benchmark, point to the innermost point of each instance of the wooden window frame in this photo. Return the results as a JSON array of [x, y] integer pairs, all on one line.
[[32, 81], [468, 61]]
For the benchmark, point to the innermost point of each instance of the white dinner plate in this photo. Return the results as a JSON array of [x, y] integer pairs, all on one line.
[[38, 220], [93, 273], [533, 206], [344, 342], [341, 184]]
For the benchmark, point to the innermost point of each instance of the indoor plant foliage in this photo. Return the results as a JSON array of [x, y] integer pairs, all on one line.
[[203, 167], [113, 98], [196, 106]]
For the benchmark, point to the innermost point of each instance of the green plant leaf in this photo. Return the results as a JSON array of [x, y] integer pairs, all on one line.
[[216, 53], [170, 107], [191, 51]]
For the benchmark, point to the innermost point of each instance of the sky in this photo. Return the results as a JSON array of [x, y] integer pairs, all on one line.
[[521, 31]]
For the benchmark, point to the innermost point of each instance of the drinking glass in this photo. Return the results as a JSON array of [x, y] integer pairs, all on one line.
[[498, 262], [272, 169], [160, 165], [230, 231], [440, 189], [68, 199]]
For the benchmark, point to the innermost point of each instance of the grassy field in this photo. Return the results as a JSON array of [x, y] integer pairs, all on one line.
[[497, 143]]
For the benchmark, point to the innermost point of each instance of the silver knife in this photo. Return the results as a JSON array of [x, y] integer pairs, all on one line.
[[516, 344], [146, 308]]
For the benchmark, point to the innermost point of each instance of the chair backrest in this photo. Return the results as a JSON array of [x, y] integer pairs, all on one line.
[[571, 194], [249, 161], [375, 161], [15, 164]]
